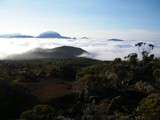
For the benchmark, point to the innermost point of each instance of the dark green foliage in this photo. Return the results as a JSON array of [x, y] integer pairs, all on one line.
[[13, 100], [37, 70], [132, 58], [39, 112], [84, 89], [149, 108], [156, 75]]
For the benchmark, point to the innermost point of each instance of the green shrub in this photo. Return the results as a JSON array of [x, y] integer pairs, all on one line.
[[39, 112], [149, 108]]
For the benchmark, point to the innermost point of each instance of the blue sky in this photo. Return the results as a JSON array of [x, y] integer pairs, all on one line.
[[108, 18]]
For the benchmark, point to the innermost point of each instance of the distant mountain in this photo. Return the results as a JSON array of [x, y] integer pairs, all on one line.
[[55, 53], [51, 34], [16, 36], [48, 34], [115, 40], [84, 38]]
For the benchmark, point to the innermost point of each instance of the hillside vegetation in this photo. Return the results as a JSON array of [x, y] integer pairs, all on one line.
[[81, 88]]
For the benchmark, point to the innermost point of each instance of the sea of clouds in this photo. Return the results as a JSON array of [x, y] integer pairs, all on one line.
[[98, 48]]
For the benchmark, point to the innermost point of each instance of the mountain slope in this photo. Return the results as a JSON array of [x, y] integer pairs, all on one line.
[[56, 53]]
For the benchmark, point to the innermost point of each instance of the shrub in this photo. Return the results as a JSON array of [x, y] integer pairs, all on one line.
[[39, 112], [149, 108]]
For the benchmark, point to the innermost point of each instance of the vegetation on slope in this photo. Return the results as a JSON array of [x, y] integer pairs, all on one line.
[[82, 89]]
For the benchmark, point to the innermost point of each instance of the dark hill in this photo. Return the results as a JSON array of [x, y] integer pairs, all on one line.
[[55, 53]]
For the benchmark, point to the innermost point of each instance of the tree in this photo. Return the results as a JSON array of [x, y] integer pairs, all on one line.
[[145, 49], [132, 58]]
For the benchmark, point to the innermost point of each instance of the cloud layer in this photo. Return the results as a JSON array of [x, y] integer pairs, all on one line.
[[99, 48]]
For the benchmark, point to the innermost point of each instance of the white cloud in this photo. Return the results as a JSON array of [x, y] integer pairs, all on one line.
[[98, 48]]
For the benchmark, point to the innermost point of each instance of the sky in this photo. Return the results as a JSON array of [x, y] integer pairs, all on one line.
[[124, 19]]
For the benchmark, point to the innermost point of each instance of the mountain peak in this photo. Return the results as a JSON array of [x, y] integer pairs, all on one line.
[[51, 34], [47, 34]]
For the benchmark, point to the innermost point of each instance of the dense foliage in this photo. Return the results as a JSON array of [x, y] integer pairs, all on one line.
[[81, 89]]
